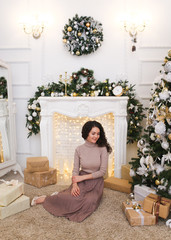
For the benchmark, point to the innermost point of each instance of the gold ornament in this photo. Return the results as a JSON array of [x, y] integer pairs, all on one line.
[[169, 53], [94, 30], [136, 118], [88, 24], [69, 29], [165, 60], [157, 182], [79, 34], [64, 40], [158, 136], [92, 94], [107, 94], [77, 53], [169, 136], [74, 94], [37, 122], [127, 88]]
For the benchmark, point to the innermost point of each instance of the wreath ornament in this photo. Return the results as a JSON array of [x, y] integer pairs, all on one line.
[[82, 35]]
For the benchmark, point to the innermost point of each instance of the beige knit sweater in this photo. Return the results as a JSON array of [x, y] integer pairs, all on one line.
[[91, 159]]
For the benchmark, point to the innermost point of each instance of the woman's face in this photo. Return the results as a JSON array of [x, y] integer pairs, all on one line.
[[93, 135]]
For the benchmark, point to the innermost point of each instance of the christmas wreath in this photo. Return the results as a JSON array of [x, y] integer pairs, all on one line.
[[83, 83], [82, 35]]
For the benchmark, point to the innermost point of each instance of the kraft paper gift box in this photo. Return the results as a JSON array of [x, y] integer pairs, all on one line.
[[154, 204], [142, 191], [125, 170], [20, 204], [9, 193], [40, 179], [118, 184], [138, 217], [37, 164]]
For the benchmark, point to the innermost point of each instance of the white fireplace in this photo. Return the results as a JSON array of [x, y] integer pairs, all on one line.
[[61, 122]]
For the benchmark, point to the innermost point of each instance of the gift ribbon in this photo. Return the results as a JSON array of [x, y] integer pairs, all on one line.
[[10, 183], [139, 212]]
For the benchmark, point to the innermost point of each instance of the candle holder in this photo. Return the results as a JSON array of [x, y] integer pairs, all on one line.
[[65, 80]]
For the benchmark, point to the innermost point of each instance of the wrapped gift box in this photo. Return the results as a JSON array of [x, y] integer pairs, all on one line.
[[142, 191], [20, 204], [153, 201], [37, 164], [125, 169], [138, 217], [121, 185], [40, 179], [9, 193]]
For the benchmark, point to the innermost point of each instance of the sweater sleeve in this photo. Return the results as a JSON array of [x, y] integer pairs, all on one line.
[[76, 167], [103, 166]]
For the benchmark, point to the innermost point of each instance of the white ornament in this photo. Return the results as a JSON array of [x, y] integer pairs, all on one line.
[[167, 67], [142, 161], [42, 94], [158, 168], [164, 95], [132, 173], [165, 145], [30, 118], [52, 94], [145, 150], [153, 136], [141, 143], [84, 94], [168, 77], [149, 160], [93, 87], [30, 127], [33, 106], [160, 128], [34, 114]]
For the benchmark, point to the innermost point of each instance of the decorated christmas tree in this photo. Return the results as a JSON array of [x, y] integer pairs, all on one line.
[[153, 165]]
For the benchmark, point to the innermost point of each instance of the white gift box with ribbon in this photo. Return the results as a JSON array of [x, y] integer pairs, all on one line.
[[20, 204], [9, 191], [142, 191]]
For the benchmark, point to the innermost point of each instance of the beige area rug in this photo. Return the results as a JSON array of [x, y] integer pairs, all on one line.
[[107, 223]]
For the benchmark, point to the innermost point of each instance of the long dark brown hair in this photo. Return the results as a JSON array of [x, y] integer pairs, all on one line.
[[102, 141]]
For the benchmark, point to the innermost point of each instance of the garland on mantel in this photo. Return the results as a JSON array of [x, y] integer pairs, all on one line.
[[3, 88], [89, 87]]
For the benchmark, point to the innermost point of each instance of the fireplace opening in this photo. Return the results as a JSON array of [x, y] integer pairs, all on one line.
[[67, 136]]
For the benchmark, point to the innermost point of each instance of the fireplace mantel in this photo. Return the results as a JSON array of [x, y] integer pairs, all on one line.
[[85, 107]]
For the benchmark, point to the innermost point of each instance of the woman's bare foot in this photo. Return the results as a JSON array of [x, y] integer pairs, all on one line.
[[38, 200]]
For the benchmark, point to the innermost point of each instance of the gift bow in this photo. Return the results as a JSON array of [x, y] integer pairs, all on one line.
[[10, 183]]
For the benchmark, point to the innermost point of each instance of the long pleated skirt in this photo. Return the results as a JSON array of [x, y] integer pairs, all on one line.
[[76, 208]]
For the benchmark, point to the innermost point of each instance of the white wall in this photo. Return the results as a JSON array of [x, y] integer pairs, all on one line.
[[36, 62]]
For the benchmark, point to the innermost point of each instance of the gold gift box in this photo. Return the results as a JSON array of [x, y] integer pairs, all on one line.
[[125, 170], [40, 179], [150, 205], [20, 204], [138, 217], [118, 184], [37, 164]]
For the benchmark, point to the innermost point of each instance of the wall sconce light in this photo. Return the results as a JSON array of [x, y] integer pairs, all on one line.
[[33, 25], [133, 25]]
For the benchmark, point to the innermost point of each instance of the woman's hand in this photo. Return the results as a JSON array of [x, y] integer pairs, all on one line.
[[76, 179], [75, 191]]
